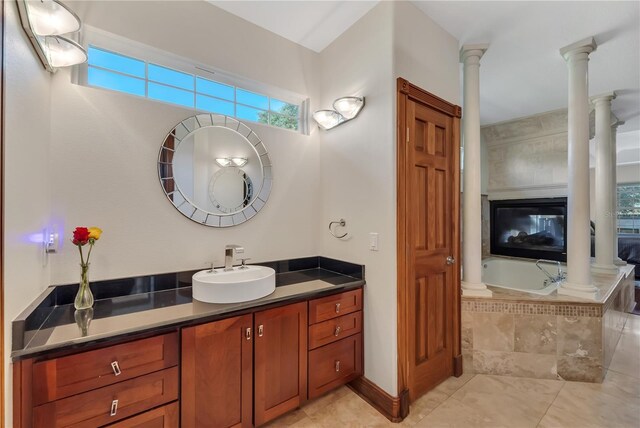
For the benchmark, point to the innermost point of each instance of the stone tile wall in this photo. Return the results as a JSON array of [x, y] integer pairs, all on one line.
[[542, 340]]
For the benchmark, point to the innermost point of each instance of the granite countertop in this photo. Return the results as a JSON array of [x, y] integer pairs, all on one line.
[[137, 305]]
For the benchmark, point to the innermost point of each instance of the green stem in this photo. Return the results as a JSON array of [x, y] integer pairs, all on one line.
[[89, 253], [81, 257]]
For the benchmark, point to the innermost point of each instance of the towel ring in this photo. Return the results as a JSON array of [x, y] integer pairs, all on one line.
[[341, 223]]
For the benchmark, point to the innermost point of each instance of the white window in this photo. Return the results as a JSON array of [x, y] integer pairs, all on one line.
[[117, 72]]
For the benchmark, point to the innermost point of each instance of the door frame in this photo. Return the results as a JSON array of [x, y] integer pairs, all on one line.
[[405, 92], [2, 107]]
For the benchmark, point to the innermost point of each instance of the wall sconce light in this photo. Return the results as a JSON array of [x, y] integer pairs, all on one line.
[[235, 161], [344, 110], [45, 21]]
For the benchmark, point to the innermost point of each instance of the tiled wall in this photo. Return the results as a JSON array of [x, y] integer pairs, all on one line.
[[527, 157], [543, 340]]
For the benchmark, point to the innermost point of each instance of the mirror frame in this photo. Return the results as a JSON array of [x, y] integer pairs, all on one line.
[[177, 198]]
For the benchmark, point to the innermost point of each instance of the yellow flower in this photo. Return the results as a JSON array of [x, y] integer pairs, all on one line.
[[94, 233]]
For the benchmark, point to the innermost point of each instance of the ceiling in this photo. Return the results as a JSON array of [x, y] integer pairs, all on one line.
[[312, 24], [522, 72]]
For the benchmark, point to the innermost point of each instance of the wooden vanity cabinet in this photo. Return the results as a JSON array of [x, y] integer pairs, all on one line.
[[162, 417], [242, 371], [335, 341], [280, 361], [221, 359], [217, 374], [99, 387]]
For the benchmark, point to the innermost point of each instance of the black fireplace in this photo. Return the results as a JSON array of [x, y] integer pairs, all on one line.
[[531, 228]]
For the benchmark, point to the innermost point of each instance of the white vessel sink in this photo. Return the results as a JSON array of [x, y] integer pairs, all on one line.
[[238, 285]]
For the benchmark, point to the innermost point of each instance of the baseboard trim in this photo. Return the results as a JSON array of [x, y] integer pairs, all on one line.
[[393, 408], [457, 365]]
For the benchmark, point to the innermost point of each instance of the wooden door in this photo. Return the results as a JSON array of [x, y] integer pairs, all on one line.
[[429, 283], [217, 384], [280, 361]]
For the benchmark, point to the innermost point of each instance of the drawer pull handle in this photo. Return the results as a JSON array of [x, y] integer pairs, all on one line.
[[247, 333], [260, 330], [337, 308], [337, 331], [338, 365], [114, 408], [116, 368]]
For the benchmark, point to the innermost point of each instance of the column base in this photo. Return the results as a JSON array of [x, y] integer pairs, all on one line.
[[588, 292], [604, 269], [619, 262], [475, 290]]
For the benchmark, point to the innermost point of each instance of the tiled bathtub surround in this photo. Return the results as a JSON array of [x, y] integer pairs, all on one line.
[[544, 338]]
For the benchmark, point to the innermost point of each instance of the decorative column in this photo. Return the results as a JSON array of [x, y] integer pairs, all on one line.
[[605, 179], [578, 282], [472, 284], [614, 191]]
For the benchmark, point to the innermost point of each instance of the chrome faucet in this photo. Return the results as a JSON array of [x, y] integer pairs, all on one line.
[[229, 254], [559, 277]]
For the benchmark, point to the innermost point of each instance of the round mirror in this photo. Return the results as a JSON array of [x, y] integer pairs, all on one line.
[[215, 170]]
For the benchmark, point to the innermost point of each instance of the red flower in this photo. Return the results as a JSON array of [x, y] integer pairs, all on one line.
[[80, 236]]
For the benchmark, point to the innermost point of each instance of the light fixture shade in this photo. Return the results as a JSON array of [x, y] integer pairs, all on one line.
[[51, 18], [62, 52], [348, 107], [237, 161], [223, 161], [328, 119]]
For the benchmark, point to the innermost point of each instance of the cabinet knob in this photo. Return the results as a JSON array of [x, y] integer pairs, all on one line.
[[338, 365], [116, 368], [337, 308], [114, 408], [247, 333], [337, 331], [260, 330]]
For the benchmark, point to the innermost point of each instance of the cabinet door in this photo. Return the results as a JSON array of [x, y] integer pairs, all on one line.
[[280, 361], [217, 374]]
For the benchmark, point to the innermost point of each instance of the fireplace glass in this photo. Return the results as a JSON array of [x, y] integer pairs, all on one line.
[[531, 228]]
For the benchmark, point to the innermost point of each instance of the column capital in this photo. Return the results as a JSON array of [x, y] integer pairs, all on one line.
[[584, 46], [467, 51], [606, 97]]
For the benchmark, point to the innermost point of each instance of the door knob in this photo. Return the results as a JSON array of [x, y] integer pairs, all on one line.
[[450, 260]]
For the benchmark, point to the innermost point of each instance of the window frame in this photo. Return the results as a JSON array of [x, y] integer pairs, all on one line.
[[635, 217], [121, 46]]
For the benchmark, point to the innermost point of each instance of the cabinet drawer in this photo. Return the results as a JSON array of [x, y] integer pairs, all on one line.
[[332, 330], [334, 365], [163, 417], [111, 403], [334, 306], [66, 376]]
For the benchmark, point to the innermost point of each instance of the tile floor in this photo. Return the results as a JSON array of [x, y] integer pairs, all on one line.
[[501, 401]]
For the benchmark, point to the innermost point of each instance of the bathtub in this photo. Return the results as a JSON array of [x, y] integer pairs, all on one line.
[[519, 275]]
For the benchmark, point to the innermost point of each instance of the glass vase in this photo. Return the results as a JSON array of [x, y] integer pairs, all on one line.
[[84, 298]]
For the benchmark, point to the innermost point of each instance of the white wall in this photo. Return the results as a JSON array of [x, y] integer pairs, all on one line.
[[358, 177], [26, 169], [425, 54], [358, 160], [105, 147]]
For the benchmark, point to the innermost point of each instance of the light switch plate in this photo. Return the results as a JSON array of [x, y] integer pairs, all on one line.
[[373, 241]]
